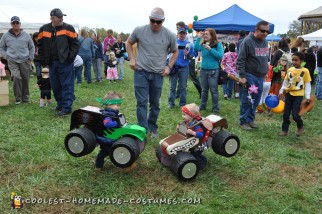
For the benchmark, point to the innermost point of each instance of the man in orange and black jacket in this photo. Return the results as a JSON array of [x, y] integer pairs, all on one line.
[[57, 48]]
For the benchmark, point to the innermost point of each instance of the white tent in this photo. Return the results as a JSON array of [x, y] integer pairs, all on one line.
[[315, 37]]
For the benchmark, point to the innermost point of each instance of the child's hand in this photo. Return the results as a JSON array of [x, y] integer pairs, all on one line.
[[191, 132], [281, 96]]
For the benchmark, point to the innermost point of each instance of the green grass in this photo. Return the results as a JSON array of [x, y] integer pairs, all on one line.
[[269, 174]]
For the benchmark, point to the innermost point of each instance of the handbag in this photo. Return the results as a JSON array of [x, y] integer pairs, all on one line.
[[222, 77]]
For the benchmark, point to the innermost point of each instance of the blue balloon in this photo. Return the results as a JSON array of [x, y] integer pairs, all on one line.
[[272, 101]]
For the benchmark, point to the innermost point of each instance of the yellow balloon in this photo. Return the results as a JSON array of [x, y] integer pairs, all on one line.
[[280, 108]]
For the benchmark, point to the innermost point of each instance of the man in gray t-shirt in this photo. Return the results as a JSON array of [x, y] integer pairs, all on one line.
[[154, 43]]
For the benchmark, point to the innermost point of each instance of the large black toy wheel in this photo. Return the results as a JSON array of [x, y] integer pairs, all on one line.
[[80, 142], [163, 158], [124, 152], [141, 144], [225, 144], [185, 166]]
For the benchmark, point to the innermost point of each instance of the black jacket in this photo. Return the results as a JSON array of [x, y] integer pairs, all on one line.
[[66, 40]]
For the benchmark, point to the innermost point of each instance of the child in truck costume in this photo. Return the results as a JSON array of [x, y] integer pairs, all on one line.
[[191, 116], [112, 102]]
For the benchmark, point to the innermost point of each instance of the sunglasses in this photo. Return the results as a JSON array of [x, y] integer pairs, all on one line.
[[15, 23], [153, 21], [264, 31]]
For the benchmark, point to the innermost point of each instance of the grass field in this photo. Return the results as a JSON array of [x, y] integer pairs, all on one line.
[[269, 174]]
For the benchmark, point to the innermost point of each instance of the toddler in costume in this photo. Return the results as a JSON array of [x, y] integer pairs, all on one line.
[[191, 115], [278, 75], [112, 102], [112, 69], [45, 88], [297, 83]]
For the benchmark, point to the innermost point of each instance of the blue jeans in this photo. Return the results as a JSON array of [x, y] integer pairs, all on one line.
[[78, 73], [209, 81], [87, 62], [62, 84], [318, 86], [97, 67], [120, 66], [148, 88], [292, 104], [38, 68], [228, 87], [247, 109], [182, 76]]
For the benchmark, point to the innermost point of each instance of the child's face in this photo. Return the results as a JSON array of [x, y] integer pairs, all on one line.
[[114, 106], [296, 61], [186, 117], [283, 62]]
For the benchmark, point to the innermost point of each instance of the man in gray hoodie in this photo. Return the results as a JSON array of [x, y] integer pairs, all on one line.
[[252, 66], [17, 47]]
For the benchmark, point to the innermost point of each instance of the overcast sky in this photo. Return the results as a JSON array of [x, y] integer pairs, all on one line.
[[125, 15]]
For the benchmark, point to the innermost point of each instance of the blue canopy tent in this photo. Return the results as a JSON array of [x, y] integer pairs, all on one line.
[[273, 38], [231, 20]]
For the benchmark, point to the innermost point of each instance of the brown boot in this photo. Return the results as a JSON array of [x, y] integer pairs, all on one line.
[[299, 132], [282, 133]]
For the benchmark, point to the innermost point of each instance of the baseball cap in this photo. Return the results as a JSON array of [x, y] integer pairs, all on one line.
[[15, 19], [182, 30], [57, 12]]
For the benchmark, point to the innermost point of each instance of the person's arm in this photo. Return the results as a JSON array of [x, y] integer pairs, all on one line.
[[109, 123], [218, 52], [241, 63], [307, 90], [31, 48], [129, 50], [72, 43], [100, 49], [197, 44], [2, 47]]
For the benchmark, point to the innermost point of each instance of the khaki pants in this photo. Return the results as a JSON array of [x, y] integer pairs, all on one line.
[[20, 73]]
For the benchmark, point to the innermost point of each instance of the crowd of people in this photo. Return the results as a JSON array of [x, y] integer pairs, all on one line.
[[57, 48]]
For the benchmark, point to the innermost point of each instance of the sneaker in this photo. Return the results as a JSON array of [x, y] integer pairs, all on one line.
[[41, 103], [226, 97], [299, 132], [245, 126], [282, 133], [154, 135], [98, 170], [253, 125], [236, 95], [57, 109], [18, 102], [63, 113]]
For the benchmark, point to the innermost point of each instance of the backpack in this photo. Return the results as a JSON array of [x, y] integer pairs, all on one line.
[[288, 56]]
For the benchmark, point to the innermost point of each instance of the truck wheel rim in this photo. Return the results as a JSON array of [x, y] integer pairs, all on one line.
[[75, 145], [122, 155], [189, 170], [231, 146]]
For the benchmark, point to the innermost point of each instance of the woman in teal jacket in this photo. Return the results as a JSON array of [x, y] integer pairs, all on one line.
[[211, 52]]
